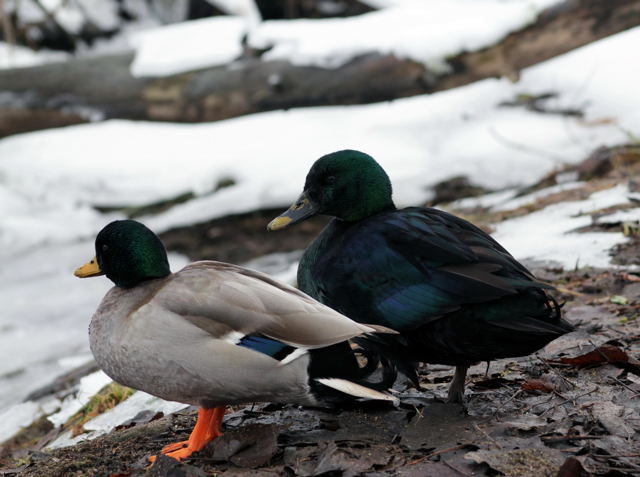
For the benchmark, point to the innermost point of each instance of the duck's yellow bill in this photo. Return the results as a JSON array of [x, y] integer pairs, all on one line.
[[279, 223], [90, 269], [301, 209]]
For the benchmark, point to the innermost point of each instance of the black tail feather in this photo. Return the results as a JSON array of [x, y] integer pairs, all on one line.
[[340, 361], [391, 355]]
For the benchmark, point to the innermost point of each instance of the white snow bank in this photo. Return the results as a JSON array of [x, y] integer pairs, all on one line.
[[424, 31], [17, 417], [187, 46], [89, 386], [550, 234], [123, 412], [628, 215], [15, 56], [21, 415], [419, 140]]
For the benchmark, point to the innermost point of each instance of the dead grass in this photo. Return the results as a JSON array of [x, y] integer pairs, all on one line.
[[108, 397]]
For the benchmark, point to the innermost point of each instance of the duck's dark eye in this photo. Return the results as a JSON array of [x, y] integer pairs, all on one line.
[[105, 247], [330, 179]]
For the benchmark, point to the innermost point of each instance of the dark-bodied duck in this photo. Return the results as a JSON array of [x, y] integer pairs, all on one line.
[[214, 334], [456, 296]]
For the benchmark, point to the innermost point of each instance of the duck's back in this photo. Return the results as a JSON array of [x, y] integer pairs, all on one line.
[[455, 293]]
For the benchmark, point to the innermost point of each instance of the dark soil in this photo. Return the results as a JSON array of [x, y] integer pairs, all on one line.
[[210, 240], [523, 417]]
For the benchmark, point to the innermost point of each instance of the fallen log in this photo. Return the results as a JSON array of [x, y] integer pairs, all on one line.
[[103, 88]]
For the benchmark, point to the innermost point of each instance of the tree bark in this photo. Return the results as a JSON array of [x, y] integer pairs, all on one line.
[[95, 88]]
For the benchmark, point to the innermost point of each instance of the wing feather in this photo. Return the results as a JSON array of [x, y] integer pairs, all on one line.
[[218, 296]]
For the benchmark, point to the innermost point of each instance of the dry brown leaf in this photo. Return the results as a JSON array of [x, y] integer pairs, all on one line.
[[602, 354], [538, 385], [571, 468]]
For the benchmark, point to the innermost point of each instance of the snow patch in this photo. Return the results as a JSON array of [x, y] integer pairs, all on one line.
[[15, 56], [188, 46], [424, 31], [629, 215], [550, 233], [17, 417], [126, 410], [89, 386]]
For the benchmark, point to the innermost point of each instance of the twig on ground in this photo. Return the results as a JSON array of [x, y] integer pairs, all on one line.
[[503, 404], [556, 372], [451, 466], [616, 380], [573, 399], [567, 438], [606, 457], [539, 404], [443, 451], [479, 429], [527, 149]]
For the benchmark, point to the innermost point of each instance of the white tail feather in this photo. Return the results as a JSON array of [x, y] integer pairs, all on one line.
[[356, 390], [292, 356]]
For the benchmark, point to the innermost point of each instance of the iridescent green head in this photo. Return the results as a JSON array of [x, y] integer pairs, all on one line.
[[127, 252], [349, 185]]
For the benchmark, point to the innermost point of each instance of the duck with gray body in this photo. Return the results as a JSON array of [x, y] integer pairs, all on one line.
[[215, 334], [199, 368]]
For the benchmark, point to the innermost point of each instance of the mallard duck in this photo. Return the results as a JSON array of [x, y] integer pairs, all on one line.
[[214, 334], [456, 296]]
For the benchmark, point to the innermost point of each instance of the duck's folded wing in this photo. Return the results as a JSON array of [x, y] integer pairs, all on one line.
[[418, 264], [224, 299]]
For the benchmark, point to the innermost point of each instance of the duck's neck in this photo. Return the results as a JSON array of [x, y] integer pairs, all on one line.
[[362, 209]]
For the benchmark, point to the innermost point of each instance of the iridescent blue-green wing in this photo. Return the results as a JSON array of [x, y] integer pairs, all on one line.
[[417, 264]]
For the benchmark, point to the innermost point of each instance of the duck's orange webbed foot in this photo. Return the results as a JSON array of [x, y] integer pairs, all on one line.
[[180, 453], [175, 446], [207, 428]]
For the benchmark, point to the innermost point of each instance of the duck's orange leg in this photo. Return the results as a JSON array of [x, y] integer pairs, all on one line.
[[207, 428]]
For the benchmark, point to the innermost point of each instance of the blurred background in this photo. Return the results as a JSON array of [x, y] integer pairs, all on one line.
[[200, 118]]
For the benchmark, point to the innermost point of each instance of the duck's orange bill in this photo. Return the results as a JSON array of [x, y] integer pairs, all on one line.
[[207, 428], [90, 269]]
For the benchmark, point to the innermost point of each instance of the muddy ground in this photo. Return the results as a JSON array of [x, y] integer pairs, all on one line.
[[571, 410], [524, 417]]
